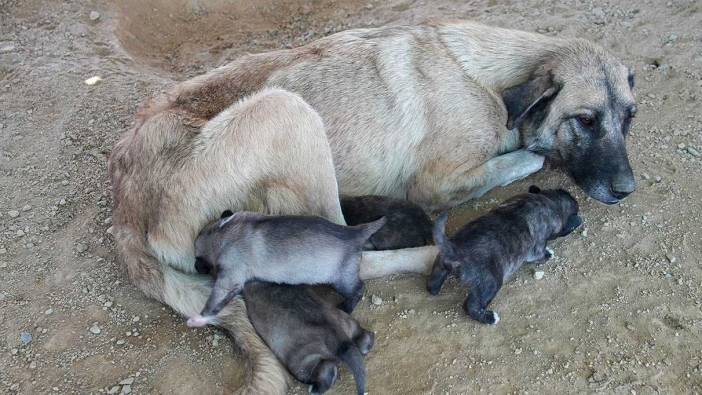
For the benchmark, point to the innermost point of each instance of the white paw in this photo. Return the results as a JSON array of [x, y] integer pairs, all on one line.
[[550, 251], [497, 317]]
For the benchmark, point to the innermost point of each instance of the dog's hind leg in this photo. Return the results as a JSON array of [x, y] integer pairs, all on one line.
[[437, 277], [480, 296]]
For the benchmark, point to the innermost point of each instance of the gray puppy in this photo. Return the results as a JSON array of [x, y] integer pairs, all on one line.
[[282, 249], [487, 251], [407, 225], [308, 335]]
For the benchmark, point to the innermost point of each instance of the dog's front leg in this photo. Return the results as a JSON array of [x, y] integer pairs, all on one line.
[[442, 191]]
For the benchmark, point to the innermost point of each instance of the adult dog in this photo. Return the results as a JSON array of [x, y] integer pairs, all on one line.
[[416, 112]]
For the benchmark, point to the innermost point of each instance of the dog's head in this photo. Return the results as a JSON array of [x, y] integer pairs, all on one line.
[[576, 110], [566, 206]]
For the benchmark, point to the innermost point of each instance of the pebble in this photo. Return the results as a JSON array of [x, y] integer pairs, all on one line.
[[598, 16], [658, 179], [645, 176], [3, 265], [49, 311], [120, 342], [538, 275], [81, 247], [62, 202], [692, 151], [376, 300], [14, 351], [25, 338], [13, 213], [671, 258], [127, 389], [584, 232], [94, 15], [93, 80], [20, 232], [3, 250], [26, 208], [113, 390], [7, 47], [127, 381], [33, 365], [95, 329]]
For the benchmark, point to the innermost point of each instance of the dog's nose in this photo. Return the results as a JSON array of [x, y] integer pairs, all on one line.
[[619, 195]]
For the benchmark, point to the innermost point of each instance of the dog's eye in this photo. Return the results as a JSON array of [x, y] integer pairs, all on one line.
[[586, 121]]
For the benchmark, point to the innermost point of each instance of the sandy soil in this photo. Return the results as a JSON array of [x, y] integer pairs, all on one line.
[[618, 310]]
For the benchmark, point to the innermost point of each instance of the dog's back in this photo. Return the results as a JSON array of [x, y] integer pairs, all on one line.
[[407, 224]]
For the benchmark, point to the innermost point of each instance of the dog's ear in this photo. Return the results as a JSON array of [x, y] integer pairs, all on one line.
[[534, 189], [530, 98], [226, 214]]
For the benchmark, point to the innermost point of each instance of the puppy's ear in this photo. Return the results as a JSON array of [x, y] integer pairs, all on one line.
[[226, 214], [534, 189]]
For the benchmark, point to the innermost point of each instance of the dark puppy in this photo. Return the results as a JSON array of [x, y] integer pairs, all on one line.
[[487, 251], [286, 249], [407, 225], [307, 334]]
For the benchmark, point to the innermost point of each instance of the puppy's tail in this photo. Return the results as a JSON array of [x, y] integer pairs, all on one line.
[[446, 248], [351, 355], [368, 229]]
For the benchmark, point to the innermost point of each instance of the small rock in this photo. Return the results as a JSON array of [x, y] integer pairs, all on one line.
[[25, 338], [645, 176], [81, 247], [94, 15], [658, 178], [120, 342], [3, 265], [20, 233], [518, 351], [110, 230], [135, 318], [376, 300], [49, 311], [14, 351], [26, 208], [127, 389], [108, 303], [113, 390], [62, 202], [681, 146], [13, 213], [33, 365], [95, 329], [692, 151], [127, 381], [584, 232], [598, 16], [671, 258], [3, 250], [7, 47], [93, 80], [538, 275]]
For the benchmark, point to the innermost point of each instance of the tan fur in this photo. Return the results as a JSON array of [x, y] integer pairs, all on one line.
[[412, 112]]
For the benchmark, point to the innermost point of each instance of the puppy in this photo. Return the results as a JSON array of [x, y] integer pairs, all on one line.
[[487, 251], [280, 249], [307, 334], [407, 224]]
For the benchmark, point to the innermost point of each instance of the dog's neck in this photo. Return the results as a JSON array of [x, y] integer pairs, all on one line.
[[498, 58]]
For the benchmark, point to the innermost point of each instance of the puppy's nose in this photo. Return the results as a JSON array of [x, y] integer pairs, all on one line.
[[619, 195]]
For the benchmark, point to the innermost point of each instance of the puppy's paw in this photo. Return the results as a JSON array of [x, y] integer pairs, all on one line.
[[491, 317], [548, 253]]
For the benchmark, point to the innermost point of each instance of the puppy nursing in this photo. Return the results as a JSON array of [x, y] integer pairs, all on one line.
[[281, 249], [406, 226], [487, 251], [307, 334]]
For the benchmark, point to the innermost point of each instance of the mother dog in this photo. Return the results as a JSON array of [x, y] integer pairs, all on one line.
[[416, 112]]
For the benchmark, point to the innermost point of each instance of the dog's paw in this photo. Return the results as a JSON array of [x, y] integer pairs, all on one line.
[[548, 253], [491, 317]]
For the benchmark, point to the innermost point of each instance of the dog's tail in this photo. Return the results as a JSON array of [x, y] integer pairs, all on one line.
[[351, 355], [369, 229], [446, 247]]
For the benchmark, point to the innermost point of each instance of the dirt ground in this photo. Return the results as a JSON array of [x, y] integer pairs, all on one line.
[[618, 310]]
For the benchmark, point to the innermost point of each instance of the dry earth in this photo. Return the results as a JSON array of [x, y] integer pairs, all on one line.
[[618, 310]]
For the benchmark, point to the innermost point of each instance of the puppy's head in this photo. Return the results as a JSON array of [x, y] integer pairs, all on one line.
[[565, 205]]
